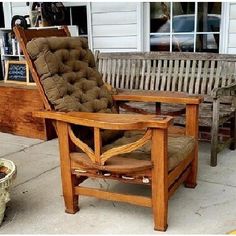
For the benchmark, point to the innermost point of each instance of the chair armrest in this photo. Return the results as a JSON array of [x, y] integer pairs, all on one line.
[[156, 96], [108, 121], [229, 90]]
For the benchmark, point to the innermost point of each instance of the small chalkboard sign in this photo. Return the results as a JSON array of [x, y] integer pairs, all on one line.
[[16, 72]]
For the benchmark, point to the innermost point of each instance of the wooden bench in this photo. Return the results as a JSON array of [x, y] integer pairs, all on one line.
[[207, 74]]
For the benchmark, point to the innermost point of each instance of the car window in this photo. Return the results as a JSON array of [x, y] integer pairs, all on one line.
[[183, 24]]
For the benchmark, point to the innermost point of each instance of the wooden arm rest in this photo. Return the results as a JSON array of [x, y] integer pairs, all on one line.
[[108, 121], [156, 96], [229, 90]]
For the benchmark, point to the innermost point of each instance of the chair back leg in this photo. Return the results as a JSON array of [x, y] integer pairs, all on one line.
[[192, 130]]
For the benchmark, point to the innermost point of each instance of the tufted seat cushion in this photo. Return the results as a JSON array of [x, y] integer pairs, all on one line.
[[178, 148]]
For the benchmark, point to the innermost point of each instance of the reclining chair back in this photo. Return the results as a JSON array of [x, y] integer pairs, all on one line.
[[26, 35]]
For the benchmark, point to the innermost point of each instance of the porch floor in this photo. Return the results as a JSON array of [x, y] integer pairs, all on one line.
[[37, 206]]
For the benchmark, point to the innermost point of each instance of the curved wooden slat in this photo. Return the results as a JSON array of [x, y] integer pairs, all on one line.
[[127, 147], [83, 146]]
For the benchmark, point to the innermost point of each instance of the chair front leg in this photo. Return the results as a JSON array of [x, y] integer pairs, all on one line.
[[159, 179], [214, 132], [69, 181]]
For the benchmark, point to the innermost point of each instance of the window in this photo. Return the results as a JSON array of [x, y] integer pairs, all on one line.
[[185, 26], [77, 15], [1, 14]]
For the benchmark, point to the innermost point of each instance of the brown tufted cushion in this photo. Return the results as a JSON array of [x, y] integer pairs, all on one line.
[[67, 72], [178, 148], [70, 80]]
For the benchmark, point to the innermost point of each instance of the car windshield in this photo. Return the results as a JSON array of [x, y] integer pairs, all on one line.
[[185, 23]]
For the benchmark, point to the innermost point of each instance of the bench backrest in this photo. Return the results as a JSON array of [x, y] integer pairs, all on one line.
[[194, 73]]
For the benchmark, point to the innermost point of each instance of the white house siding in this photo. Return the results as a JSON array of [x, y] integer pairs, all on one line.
[[232, 29], [14, 8], [115, 26]]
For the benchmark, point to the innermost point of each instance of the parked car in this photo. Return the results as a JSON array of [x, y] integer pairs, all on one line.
[[185, 42]]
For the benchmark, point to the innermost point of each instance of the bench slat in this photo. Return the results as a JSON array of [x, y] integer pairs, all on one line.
[[193, 76], [180, 80], [169, 76], [217, 76], [158, 77], [211, 77], [224, 73], [137, 72], [175, 76], [104, 71], [132, 76], [163, 78], [148, 74], [186, 77], [153, 75], [128, 72], [113, 72], [143, 74], [122, 84], [204, 77], [118, 74], [198, 79]]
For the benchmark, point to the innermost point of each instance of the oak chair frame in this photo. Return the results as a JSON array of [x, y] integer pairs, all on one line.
[[162, 182]]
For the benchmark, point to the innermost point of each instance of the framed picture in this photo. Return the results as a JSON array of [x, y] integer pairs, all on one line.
[[16, 72]]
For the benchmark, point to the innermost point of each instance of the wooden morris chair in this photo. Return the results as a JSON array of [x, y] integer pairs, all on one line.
[[97, 142]]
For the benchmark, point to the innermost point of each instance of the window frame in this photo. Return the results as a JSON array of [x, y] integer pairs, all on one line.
[[223, 33]]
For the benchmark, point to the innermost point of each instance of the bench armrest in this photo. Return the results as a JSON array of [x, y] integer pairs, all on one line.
[[156, 96], [108, 121], [229, 90]]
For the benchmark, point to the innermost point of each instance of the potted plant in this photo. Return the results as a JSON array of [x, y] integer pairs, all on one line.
[[7, 175]]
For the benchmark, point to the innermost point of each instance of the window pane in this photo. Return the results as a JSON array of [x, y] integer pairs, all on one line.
[[185, 33], [183, 16], [183, 43], [160, 42], [79, 17], [209, 16], [207, 43], [160, 15]]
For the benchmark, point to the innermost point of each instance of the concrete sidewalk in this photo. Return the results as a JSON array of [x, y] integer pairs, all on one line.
[[37, 206]]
